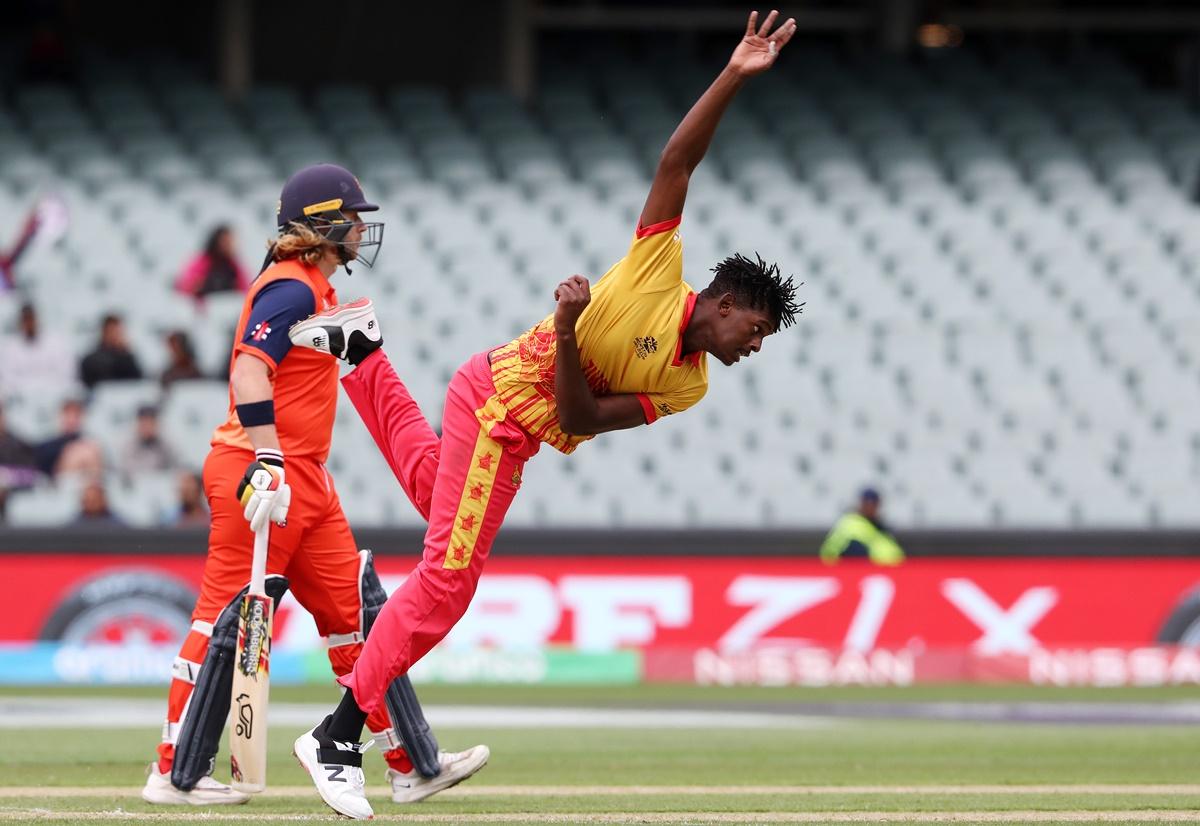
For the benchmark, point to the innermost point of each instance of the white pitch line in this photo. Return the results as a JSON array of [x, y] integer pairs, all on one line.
[[1073, 816], [477, 790], [79, 713], [471, 790]]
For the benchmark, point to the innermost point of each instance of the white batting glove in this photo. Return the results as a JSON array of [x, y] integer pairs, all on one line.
[[263, 493]]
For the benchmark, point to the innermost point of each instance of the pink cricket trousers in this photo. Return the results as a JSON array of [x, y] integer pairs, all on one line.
[[463, 484]]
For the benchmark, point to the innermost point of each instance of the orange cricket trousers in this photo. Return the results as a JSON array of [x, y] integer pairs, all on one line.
[[315, 551], [462, 483]]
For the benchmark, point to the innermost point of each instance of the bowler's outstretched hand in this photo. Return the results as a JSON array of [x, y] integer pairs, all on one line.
[[760, 46]]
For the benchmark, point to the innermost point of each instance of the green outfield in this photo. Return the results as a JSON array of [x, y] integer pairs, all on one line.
[[806, 769]]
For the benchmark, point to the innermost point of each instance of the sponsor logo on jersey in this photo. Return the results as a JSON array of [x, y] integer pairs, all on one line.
[[643, 346]]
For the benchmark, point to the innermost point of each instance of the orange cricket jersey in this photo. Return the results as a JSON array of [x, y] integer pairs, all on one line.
[[630, 340], [305, 382]]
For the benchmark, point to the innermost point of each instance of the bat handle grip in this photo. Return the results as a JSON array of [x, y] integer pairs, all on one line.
[[258, 563]]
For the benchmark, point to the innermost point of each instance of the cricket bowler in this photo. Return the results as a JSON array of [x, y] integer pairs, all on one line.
[[624, 353]]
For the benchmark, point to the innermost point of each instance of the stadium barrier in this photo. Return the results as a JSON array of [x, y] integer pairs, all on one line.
[[564, 612]]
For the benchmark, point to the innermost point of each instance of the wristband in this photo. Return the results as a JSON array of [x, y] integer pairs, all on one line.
[[256, 414], [269, 456]]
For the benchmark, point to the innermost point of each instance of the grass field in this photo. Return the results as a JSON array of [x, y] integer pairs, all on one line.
[[839, 769]]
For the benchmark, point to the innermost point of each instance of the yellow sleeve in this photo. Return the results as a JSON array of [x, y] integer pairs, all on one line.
[[885, 550], [657, 405], [655, 259], [834, 544]]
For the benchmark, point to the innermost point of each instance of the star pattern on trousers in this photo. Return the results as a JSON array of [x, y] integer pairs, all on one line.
[[467, 523], [459, 553], [476, 492], [485, 461]]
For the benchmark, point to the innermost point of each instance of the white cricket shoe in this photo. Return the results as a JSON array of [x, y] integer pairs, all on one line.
[[349, 332], [457, 766], [336, 770], [208, 792]]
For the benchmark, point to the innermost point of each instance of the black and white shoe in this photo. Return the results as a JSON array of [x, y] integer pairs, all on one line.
[[336, 770], [348, 331]]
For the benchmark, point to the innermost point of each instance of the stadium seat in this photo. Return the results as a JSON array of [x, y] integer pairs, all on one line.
[[191, 411], [41, 508], [1000, 251], [113, 405]]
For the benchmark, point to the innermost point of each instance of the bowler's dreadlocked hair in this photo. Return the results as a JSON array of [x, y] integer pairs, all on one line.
[[757, 285]]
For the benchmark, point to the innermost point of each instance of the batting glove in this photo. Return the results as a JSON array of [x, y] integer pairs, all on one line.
[[263, 493]]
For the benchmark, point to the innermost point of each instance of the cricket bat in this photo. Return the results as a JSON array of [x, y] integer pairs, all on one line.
[[252, 677]]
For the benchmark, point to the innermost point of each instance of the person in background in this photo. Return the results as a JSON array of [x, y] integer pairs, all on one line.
[[112, 359], [861, 533], [9, 257], [18, 469], [193, 510], [35, 362], [146, 452], [215, 269], [82, 458], [93, 507], [182, 365], [70, 429], [46, 221]]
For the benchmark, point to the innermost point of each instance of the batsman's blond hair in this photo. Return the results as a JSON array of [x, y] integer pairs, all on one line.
[[300, 242]]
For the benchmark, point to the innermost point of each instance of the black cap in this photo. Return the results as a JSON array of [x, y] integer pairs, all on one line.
[[325, 187], [869, 495]]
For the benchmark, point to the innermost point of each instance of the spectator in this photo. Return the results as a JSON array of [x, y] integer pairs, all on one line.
[[111, 360], [82, 458], [183, 359], [861, 533], [69, 452], [35, 363], [70, 428], [146, 452], [14, 451], [47, 57], [216, 269], [9, 257], [93, 507], [18, 469], [193, 509]]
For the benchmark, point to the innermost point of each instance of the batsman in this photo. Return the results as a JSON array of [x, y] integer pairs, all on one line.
[[266, 468]]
